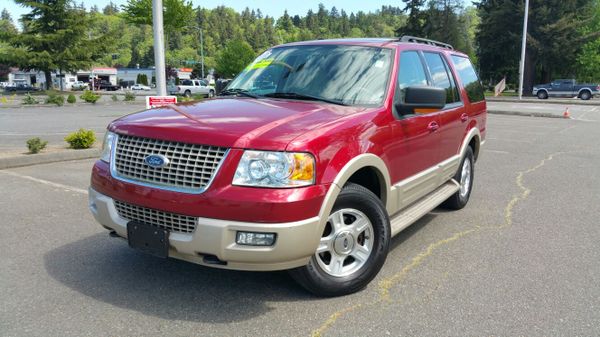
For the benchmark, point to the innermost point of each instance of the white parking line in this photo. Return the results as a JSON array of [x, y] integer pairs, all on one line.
[[496, 151], [45, 182]]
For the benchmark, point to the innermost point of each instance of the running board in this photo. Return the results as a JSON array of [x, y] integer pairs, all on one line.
[[414, 212]]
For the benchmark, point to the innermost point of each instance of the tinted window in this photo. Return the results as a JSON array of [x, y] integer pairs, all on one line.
[[411, 73], [469, 78], [186, 82], [439, 75]]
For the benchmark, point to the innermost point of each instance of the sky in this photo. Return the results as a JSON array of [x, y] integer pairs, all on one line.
[[268, 7]]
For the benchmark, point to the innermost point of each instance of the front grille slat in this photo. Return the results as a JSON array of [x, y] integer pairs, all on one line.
[[165, 220], [191, 166]]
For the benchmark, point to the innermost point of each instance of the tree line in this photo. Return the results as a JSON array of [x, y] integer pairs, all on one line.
[[64, 35]]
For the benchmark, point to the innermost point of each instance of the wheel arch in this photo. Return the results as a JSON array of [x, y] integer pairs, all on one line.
[[473, 140], [354, 170], [582, 90]]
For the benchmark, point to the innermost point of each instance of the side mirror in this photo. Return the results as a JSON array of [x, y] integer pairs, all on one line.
[[421, 97]]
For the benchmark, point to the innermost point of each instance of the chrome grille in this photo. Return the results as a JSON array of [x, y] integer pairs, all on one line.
[[165, 220], [191, 167]]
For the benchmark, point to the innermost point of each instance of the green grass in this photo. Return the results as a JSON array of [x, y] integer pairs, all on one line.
[[504, 94]]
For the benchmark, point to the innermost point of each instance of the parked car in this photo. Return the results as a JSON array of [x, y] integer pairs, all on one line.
[[21, 88], [106, 85], [140, 87], [300, 164], [189, 87], [80, 85], [566, 88]]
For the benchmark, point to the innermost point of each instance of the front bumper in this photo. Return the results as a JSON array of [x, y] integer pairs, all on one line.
[[296, 241]]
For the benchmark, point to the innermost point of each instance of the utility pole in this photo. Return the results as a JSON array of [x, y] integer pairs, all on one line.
[[159, 47], [202, 51], [523, 49]]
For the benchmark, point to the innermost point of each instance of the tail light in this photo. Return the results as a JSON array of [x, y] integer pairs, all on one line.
[[598, 87], [178, 88]]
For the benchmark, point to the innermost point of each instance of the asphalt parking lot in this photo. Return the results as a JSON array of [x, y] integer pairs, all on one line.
[[522, 259]]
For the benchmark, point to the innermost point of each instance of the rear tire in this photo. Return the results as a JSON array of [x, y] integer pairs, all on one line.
[[585, 95], [187, 94], [353, 246], [211, 94], [464, 177], [542, 94]]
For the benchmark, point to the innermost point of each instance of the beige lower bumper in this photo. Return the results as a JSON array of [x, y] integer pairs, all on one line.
[[296, 241]]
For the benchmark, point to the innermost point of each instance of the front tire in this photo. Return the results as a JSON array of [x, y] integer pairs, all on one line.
[[353, 246], [464, 177], [542, 94]]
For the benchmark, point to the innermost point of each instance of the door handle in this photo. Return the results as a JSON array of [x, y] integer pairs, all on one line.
[[464, 117], [433, 126]]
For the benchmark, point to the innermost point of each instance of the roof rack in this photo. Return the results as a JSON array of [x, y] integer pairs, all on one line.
[[412, 39]]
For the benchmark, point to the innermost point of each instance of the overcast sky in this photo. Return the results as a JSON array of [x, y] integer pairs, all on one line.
[[267, 7]]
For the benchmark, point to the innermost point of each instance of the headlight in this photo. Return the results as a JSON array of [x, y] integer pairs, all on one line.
[[275, 169], [107, 146]]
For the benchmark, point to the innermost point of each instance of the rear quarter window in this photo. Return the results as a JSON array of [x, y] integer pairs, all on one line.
[[469, 78]]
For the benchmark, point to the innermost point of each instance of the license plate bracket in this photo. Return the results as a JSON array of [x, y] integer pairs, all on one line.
[[148, 239]]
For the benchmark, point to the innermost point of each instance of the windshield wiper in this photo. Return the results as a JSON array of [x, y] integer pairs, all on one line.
[[237, 92], [295, 95]]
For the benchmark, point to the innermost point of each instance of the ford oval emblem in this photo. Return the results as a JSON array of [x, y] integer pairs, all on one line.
[[156, 160]]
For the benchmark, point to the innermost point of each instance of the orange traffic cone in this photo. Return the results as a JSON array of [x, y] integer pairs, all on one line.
[[567, 114]]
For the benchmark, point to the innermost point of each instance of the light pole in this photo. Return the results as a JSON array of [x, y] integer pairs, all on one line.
[[523, 49], [202, 51], [159, 47]]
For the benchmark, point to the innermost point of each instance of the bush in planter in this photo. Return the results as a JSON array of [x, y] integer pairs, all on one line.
[[71, 99], [54, 98], [81, 139], [89, 96], [129, 96], [35, 145], [28, 99]]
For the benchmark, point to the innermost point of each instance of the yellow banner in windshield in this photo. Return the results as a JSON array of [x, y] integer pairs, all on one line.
[[260, 64]]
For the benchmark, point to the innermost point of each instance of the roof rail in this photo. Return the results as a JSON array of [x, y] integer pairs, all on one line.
[[412, 39]]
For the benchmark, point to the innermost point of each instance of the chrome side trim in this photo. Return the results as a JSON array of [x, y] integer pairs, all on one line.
[[115, 174]]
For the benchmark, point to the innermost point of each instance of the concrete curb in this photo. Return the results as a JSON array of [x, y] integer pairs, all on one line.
[[45, 158], [526, 114], [545, 101]]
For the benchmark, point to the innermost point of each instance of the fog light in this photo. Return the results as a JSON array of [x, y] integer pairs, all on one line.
[[255, 239]]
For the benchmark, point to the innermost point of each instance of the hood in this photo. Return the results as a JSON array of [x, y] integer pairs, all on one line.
[[268, 124]]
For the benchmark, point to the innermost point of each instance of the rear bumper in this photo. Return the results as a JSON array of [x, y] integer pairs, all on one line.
[[296, 241]]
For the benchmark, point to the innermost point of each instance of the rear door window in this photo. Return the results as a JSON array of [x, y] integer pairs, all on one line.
[[441, 76], [469, 78]]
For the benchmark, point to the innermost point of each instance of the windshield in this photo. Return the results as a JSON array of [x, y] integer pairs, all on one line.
[[351, 75]]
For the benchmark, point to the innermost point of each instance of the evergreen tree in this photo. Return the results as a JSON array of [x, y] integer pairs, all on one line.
[[55, 37], [415, 22]]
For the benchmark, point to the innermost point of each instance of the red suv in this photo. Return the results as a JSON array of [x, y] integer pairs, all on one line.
[[311, 160]]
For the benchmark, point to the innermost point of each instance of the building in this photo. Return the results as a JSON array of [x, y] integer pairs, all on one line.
[[102, 74], [128, 76]]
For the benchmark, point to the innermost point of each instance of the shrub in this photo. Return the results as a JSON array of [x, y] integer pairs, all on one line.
[[71, 99], [81, 139], [89, 96], [28, 99], [35, 145], [129, 96], [114, 97], [54, 98]]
